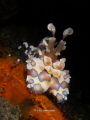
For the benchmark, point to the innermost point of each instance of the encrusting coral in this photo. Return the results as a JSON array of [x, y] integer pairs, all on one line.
[[8, 111], [14, 89]]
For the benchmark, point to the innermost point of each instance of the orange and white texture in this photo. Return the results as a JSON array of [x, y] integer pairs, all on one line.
[[44, 70]]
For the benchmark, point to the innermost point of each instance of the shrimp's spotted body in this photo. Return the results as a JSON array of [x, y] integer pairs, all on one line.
[[44, 70]]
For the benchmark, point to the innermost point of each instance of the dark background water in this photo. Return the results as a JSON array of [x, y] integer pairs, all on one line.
[[63, 14]]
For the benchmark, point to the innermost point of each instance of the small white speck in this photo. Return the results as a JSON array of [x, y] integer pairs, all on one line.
[[19, 47], [9, 55]]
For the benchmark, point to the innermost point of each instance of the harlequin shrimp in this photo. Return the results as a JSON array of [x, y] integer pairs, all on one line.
[[44, 70]]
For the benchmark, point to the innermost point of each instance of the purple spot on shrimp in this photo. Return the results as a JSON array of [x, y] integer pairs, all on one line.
[[55, 83], [30, 81], [64, 93], [37, 88], [44, 76], [59, 98], [32, 72], [64, 85], [33, 63]]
